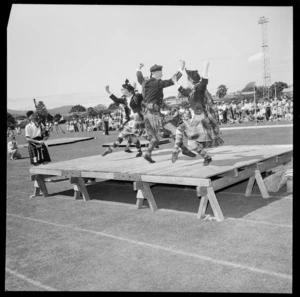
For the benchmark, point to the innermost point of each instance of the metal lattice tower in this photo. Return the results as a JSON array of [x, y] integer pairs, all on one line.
[[266, 59]]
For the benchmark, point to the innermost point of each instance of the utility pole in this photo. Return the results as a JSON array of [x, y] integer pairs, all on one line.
[[266, 59]]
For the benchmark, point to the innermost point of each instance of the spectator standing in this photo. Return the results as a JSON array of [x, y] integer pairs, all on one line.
[[239, 109], [274, 111], [71, 126], [230, 107], [105, 119], [279, 109], [224, 110], [220, 116], [75, 122], [268, 109], [37, 149], [234, 108]]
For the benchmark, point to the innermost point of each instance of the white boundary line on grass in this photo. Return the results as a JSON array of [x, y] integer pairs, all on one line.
[[235, 219], [254, 127], [174, 251], [29, 280]]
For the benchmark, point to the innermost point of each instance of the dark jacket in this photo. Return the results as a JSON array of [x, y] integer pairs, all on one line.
[[196, 96], [135, 103], [152, 89], [122, 101]]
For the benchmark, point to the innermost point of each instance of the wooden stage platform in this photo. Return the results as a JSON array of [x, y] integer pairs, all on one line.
[[60, 141], [230, 165], [144, 143]]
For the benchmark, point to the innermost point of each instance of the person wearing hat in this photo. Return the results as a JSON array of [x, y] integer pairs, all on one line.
[[12, 148], [37, 149], [130, 118], [152, 104], [202, 129]]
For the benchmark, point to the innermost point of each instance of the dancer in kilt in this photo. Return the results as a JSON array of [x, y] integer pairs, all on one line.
[[35, 137], [129, 118], [201, 128], [151, 106]]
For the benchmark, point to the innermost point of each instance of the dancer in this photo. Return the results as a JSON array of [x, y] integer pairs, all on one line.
[[201, 128], [129, 129], [37, 149], [152, 104]]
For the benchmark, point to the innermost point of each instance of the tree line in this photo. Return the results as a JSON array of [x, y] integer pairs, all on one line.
[[261, 92]]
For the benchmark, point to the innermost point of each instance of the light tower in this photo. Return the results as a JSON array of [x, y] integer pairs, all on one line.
[[266, 60]]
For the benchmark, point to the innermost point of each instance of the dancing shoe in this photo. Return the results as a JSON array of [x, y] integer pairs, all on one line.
[[148, 158], [207, 160], [108, 151], [139, 154], [175, 156], [187, 152], [128, 150]]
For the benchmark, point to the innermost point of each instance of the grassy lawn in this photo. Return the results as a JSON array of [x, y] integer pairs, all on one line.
[[106, 244]]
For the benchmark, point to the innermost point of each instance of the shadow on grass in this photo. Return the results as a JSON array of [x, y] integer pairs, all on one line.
[[179, 198]]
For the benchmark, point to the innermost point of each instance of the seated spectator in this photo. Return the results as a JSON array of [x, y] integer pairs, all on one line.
[[260, 116], [12, 148]]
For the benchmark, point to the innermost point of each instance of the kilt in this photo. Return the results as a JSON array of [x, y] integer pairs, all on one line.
[[38, 154], [153, 124], [135, 127], [200, 129]]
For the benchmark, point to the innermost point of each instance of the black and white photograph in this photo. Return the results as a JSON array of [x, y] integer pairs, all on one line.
[[149, 148]]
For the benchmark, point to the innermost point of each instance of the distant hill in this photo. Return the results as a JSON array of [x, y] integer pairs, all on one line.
[[17, 112], [61, 110]]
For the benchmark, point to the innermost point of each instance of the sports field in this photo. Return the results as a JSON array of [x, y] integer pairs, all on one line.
[[106, 244]]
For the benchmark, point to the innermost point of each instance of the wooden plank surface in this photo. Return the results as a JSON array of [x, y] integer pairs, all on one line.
[[225, 158], [60, 141]]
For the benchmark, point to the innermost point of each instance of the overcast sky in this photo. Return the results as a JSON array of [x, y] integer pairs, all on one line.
[[70, 49]]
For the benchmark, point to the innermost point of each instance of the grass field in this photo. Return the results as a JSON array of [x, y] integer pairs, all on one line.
[[106, 244]]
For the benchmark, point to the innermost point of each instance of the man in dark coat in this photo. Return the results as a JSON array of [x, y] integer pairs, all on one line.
[[152, 104]]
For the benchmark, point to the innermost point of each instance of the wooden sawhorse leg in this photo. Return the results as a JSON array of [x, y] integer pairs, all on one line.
[[79, 188], [208, 194], [39, 186], [260, 182], [144, 192]]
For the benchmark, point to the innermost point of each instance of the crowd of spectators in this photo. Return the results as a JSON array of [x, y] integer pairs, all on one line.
[[244, 110], [89, 124], [234, 111]]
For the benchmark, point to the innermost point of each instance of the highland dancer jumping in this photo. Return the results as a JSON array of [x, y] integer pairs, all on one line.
[[131, 119], [201, 128], [151, 106]]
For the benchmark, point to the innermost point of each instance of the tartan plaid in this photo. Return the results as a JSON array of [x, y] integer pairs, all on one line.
[[200, 129], [40, 152], [134, 127], [153, 124]]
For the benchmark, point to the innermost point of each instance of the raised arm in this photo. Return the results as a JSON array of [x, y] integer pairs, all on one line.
[[114, 98], [139, 74], [177, 75]]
